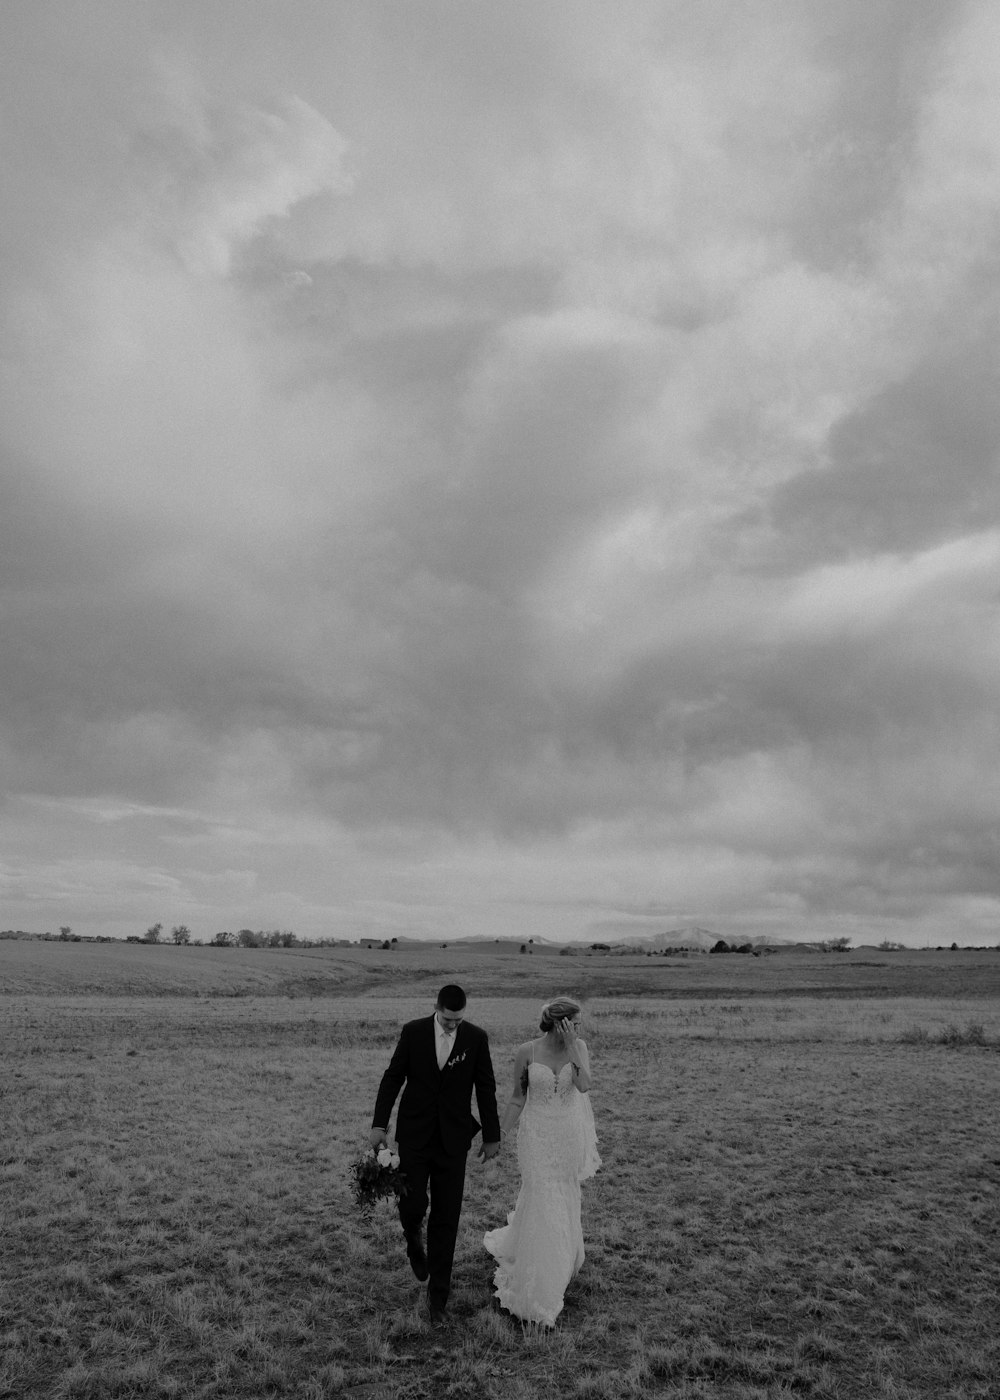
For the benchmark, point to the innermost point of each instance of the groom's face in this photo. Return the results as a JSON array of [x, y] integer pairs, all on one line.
[[449, 1020]]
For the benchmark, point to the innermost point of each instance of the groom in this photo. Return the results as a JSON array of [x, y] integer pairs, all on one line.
[[440, 1058]]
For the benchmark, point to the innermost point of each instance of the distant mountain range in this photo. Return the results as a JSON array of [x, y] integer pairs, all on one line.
[[691, 936]]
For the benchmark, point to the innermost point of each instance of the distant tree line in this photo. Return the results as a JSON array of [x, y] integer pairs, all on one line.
[[180, 934], [723, 947], [65, 935], [829, 945], [262, 938]]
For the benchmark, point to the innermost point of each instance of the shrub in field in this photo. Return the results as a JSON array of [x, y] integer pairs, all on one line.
[[952, 1035], [974, 1034]]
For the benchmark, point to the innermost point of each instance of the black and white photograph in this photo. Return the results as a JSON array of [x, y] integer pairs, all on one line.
[[499, 699]]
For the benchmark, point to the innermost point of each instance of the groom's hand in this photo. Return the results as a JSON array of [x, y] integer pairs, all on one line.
[[378, 1138], [487, 1151]]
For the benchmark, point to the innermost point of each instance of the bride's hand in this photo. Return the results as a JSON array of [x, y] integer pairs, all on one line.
[[568, 1031]]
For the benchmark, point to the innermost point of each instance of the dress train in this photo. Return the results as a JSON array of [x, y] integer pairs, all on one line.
[[540, 1249]]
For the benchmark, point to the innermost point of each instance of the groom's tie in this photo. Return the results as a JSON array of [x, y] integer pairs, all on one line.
[[445, 1041]]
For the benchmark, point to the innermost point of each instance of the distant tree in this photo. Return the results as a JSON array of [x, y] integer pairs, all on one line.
[[246, 938], [387, 946], [64, 932], [721, 947], [181, 934], [223, 939], [288, 939], [524, 947], [153, 934]]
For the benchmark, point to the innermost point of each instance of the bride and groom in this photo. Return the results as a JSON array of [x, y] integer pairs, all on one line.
[[440, 1060]]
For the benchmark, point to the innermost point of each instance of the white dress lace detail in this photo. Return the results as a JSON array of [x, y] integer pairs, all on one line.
[[540, 1249]]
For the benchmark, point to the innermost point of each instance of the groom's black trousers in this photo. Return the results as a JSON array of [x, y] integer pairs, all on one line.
[[432, 1171]]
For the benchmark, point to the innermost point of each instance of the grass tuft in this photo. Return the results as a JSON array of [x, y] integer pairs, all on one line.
[[951, 1035], [974, 1034]]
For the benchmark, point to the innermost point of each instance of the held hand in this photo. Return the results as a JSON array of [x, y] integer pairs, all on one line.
[[378, 1138], [487, 1151]]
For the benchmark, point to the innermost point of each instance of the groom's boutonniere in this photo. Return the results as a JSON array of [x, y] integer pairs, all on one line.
[[456, 1059]]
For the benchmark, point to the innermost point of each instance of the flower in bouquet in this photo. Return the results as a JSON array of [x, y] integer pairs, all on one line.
[[375, 1177]]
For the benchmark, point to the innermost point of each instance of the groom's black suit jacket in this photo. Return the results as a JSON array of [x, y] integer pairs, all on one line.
[[439, 1100]]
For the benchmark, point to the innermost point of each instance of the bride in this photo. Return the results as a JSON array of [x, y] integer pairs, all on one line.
[[540, 1249]]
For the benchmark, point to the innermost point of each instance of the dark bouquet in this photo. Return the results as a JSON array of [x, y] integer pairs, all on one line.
[[375, 1177]]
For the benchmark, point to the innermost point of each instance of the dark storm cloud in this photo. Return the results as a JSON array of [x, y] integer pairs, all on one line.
[[468, 470]]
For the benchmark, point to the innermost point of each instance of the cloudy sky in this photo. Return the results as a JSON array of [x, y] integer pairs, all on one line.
[[517, 468]]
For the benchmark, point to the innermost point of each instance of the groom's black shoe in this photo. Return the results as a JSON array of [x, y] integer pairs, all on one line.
[[417, 1255], [437, 1309]]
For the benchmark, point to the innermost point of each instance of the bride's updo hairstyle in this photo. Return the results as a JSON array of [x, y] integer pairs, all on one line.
[[558, 1009]]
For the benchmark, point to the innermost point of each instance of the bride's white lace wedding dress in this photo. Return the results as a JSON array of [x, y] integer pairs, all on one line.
[[540, 1248]]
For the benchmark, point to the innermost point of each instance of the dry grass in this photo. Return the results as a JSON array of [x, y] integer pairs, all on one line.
[[799, 1198], [29, 966]]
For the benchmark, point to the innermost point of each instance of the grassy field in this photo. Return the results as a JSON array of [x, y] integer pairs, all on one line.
[[799, 1194]]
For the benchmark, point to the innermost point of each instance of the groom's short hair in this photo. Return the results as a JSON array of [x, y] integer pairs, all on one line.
[[451, 998]]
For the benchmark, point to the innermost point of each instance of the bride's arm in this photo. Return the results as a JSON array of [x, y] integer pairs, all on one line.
[[581, 1066], [516, 1102]]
